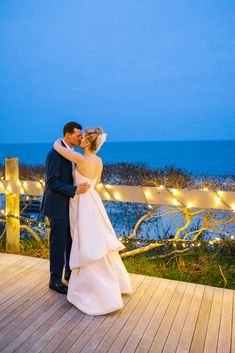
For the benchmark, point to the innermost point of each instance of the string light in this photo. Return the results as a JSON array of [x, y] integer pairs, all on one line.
[[117, 196], [189, 205], [107, 196], [175, 202], [174, 191], [23, 219], [147, 194]]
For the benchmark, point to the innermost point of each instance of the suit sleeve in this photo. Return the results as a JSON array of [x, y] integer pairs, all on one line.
[[54, 165]]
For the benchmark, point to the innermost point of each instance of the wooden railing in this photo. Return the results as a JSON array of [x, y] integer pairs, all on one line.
[[159, 195]]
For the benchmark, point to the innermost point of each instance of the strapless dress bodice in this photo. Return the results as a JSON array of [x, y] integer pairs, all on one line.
[[79, 179]]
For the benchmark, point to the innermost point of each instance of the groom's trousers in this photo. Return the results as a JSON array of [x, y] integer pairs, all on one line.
[[60, 247]]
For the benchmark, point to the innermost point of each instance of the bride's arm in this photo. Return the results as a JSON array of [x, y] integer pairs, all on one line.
[[72, 156]]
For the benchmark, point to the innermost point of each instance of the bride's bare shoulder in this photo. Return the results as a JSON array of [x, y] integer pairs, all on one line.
[[99, 162]]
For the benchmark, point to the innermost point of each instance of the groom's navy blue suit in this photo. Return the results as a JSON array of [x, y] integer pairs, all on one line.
[[55, 205]]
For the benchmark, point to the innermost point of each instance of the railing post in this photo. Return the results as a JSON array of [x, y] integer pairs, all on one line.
[[12, 207]]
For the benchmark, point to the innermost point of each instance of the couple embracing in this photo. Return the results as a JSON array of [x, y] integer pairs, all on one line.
[[82, 239]]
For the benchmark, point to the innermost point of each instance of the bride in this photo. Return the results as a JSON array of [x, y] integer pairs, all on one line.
[[98, 276]]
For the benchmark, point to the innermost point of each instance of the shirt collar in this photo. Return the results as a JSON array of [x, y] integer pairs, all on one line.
[[69, 148]]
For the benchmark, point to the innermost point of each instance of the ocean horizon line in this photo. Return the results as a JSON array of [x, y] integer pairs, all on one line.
[[126, 141]]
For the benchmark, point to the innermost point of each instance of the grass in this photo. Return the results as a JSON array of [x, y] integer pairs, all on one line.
[[212, 266], [208, 266]]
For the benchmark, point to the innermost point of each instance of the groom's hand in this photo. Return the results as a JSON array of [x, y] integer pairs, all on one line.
[[82, 188]]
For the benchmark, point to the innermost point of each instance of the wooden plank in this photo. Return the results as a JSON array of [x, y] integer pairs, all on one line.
[[202, 322], [127, 328], [141, 325], [23, 318], [144, 194], [179, 320], [6, 258], [22, 301], [18, 285], [59, 337], [41, 274], [225, 332], [11, 266], [212, 334], [19, 272], [35, 342], [191, 320], [47, 342], [26, 328], [158, 314], [158, 317], [57, 342], [233, 326], [78, 331], [108, 339], [164, 328], [84, 338]]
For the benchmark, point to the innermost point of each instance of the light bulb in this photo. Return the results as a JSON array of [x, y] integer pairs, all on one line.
[[117, 196], [217, 200], [106, 194], [147, 194]]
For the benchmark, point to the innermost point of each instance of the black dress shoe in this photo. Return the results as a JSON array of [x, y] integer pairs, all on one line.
[[67, 276], [59, 287]]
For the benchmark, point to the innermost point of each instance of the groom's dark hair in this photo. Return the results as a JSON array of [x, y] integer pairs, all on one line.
[[69, 127]]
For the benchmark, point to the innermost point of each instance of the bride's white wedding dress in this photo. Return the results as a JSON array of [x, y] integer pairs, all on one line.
[[98, 274]]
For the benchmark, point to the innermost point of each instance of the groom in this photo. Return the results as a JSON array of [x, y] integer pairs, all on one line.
[[55, 205]]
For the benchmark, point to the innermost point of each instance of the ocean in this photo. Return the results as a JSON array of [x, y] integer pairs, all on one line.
[[216, 158]]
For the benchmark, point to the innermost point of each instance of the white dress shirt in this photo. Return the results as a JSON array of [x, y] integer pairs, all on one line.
[[70, 149]]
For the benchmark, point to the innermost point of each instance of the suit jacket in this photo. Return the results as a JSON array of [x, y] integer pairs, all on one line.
[[59, 186]]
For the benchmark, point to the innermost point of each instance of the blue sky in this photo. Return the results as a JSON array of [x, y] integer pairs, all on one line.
[[143, 70]]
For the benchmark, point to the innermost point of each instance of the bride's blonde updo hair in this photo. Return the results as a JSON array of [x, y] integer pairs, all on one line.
[[92, 136]]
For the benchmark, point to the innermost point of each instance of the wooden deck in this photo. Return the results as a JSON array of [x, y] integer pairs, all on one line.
[[160, 316]]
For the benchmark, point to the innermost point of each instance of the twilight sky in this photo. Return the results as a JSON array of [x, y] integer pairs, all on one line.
[[142, 70]]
